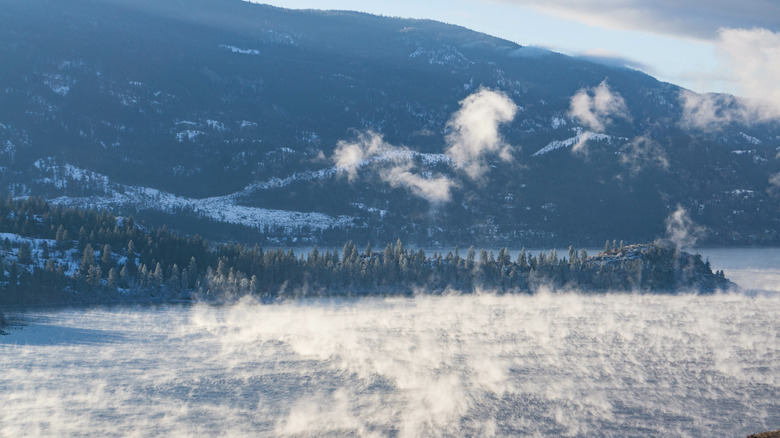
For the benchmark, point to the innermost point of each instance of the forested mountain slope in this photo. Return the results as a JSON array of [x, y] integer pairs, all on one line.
[[235, 119]]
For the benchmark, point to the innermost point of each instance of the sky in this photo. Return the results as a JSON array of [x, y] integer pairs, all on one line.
[[703, 45]]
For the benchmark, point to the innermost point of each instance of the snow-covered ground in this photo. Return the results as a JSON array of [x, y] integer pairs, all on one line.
[[221, 208], [581, 137], [235, 49], [68, 258]]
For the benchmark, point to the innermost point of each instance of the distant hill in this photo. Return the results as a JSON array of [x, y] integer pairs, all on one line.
[[223, 117]]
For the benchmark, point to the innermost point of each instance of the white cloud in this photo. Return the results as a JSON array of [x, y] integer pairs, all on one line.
[[598, 106], [351, 155], [475, 131], [751, 61], [710, 112], [392, 164], [752, 58], [753, 55], [474, 136], [434, 189]]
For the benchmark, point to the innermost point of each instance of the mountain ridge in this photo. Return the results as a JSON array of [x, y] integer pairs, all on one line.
[[204, 100]]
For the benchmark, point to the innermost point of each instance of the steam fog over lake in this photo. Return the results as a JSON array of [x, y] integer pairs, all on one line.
[[549, 364]]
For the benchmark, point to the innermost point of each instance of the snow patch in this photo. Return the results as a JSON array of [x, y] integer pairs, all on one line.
[[188, 135], [446, 55], [58, 84], [751, 139], [364, 207], [235, 49], [216, 125], [8, 149], [557, 122], [570, 142], [61, 175]]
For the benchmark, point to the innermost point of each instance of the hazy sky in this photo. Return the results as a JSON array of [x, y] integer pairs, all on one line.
[[703, 45]]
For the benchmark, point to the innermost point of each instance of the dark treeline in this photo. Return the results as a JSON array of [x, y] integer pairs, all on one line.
[[73, 255]]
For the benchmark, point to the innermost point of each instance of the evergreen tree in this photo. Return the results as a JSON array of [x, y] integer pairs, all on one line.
[[185, 281], [157, 275], [94, 275], [105, 256], [174, 281], [45, 254], [25, 253], [112, 281], [88, 258], [192, 272], [124, 277], [471, 255], [522, 260]]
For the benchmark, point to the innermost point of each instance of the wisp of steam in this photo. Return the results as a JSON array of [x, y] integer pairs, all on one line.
[[550, 364]]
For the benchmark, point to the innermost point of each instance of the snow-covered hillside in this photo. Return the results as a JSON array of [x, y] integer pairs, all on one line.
[[221, 208]]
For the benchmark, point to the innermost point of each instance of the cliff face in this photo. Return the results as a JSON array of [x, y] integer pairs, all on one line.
[[657, 266]]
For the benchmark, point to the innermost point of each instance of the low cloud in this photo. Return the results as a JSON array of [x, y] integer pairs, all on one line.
[[434, 189], [750, 58], [597, 107], [474, 136], [682, 18], [681, 230], [475, 131], [753, 57], [711, 112], [613, 59], [392, 164], [643, 152], [580, 145], [350, 155]]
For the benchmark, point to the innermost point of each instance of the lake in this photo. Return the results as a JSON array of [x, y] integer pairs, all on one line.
[[550, 364]]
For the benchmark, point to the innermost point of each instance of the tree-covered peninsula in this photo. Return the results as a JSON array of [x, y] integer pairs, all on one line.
[[50, 254]]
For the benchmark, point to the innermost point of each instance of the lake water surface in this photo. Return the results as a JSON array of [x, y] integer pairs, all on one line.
[[551, 364]]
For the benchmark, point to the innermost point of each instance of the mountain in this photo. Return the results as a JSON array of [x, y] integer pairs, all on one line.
[[229, 119]]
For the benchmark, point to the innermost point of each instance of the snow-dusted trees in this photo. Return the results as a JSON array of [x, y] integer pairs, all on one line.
[[161, 264]]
